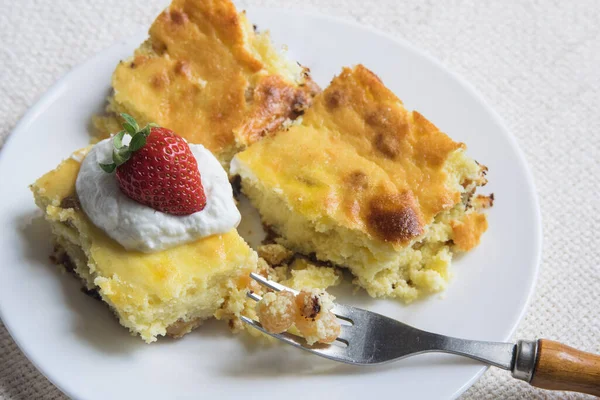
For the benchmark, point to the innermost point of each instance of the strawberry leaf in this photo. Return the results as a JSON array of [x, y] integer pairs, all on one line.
[[138, 141], [120, 157], [118, 140], [121, 152], [146, 131], [131, 121], [109, 168], [129, 128]]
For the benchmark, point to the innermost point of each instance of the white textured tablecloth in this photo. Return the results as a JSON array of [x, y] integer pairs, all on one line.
[[537, 62]]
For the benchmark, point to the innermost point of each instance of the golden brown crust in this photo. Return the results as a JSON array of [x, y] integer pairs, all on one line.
[[273, 102], [210, 78], [394, 218], [467, 232], [409, 148], [431, 145]]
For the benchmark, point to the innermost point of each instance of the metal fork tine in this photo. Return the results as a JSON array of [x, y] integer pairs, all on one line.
[[331, 352], [285, 337], [254, 296], [340, 311], [270, 284], [344, 332]]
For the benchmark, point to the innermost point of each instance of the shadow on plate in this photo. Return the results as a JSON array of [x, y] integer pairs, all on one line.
[[91, 319], [278, 360], [99, 110]]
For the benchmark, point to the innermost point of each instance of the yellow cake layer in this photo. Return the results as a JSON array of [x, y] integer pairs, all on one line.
[[368, 185], [149, 292], [206, 74]]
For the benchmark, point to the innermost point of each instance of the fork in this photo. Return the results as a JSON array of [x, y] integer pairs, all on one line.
[[368, 338]]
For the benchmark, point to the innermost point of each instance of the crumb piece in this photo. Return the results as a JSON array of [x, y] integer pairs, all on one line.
[[309, 311], [323, 329], [235, 324], [277, 311], [275, 254], [280, 274], [316, 322], [304, 274], [262, 267], [481, 202], [268, 272]]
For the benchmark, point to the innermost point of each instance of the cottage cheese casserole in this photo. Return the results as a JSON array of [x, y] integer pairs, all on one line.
[[206, 74], [165, 292], [365, 184]]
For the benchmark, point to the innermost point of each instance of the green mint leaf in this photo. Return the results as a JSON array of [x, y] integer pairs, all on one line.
[[118, 140], [129, 128], [138, 141], [131, 121], [108, 168], [153, 125]]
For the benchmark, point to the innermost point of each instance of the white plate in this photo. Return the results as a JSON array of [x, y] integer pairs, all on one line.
[[78, 345]]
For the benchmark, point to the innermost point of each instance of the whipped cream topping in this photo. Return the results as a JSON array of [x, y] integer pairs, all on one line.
[[139, 227]]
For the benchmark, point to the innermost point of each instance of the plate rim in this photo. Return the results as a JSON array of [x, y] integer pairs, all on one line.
[[46, 99]]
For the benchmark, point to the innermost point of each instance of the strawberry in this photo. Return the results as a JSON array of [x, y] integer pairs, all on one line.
[[157, 169]]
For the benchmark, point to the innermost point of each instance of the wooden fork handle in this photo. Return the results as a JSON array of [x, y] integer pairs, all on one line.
[[560, 367]]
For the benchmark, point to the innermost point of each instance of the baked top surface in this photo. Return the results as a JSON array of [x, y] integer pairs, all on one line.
[[359, 159], [134, 278], [206, 74]]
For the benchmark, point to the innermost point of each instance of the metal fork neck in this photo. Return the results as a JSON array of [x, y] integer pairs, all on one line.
[[525, 359], [498, 354], [520, 359]]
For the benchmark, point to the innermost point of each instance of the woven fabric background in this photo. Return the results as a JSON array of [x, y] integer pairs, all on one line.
[[537, 63]]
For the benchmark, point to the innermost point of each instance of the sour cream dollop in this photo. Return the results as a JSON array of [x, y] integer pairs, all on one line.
[[139, 227]]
